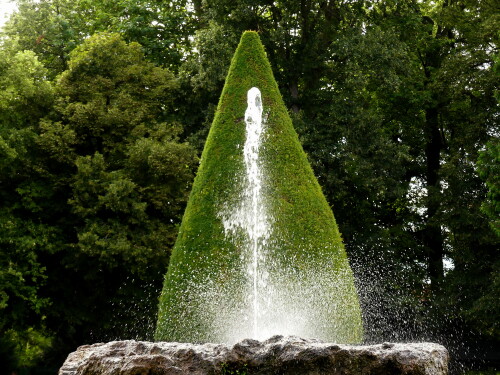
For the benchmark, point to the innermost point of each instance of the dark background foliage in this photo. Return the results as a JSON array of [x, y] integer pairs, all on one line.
[[104, 107]]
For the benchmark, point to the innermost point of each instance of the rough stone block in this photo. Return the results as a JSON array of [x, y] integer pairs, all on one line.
[[277, 355]]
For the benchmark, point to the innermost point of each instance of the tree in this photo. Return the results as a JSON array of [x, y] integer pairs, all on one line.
[[94, 192], [484, 310], [123, 174], [53, 28], [455, 56], [24, 237], [304, 247]]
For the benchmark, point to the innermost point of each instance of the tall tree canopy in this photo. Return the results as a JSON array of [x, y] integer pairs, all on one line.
[[95, 188], [24, 238]]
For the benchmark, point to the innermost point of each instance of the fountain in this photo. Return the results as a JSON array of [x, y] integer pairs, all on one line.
[[258, 256], [251, 216], [258, 251]]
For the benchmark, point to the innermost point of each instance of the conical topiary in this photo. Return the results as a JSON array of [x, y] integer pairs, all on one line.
[[284, 270]]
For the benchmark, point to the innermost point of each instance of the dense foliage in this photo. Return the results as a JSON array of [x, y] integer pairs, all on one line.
[[395, 103], [94, 180]]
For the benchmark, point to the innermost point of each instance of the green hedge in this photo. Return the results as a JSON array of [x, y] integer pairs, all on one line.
[[204, 292]]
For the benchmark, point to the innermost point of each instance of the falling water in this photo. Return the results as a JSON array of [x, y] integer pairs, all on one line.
[[250, 216], [255, 225]]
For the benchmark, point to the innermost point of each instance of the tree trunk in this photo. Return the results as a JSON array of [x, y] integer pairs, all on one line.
[[294, 93], [432, 235]]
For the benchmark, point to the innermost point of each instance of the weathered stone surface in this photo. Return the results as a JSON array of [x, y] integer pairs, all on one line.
[[278, 355]]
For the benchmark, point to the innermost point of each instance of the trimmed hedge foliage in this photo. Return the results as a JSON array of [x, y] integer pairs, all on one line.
[[203, 295]]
